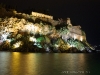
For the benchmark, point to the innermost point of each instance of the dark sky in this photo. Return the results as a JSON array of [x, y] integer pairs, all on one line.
[[82, 12]]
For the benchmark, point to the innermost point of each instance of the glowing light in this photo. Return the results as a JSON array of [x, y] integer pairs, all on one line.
[[81, 38], [39, 46], [56, 45], [71, 45], [18, 44], [35, 43], [29, 27], [9, 40], [75, 37], [32, 39], [4, 36], [32, 28]]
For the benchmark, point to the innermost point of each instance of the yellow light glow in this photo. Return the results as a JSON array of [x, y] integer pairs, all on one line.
[[70, 45], [81, 38], [29, 27], [8, 40], [56, 45], [16, 57], [18, 44]]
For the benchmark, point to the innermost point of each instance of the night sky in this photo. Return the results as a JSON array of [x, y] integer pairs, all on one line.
[[85, 13]]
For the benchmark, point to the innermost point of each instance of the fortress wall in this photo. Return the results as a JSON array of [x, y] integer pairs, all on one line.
[[35, 14], [79, 37], [41, 15], [75, 29], [75, 34]]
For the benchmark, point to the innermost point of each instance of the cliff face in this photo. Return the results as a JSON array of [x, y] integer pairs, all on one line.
[[36, 31]]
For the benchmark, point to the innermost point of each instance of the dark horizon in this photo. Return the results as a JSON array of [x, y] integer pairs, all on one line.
[[84, 13]]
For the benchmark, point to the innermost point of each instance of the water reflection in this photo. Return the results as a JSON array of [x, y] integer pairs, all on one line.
[[16, 63], [72, 64], [31, 62], [23, 64], [4, 60]]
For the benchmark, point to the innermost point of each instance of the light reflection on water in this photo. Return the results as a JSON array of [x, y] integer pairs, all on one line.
[[16, 63], [24, 65]]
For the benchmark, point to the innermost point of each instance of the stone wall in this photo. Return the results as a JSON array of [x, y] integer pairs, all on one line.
[[75, 29], [41, 15]]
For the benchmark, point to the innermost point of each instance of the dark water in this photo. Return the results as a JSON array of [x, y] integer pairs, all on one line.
[[16, 63]]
